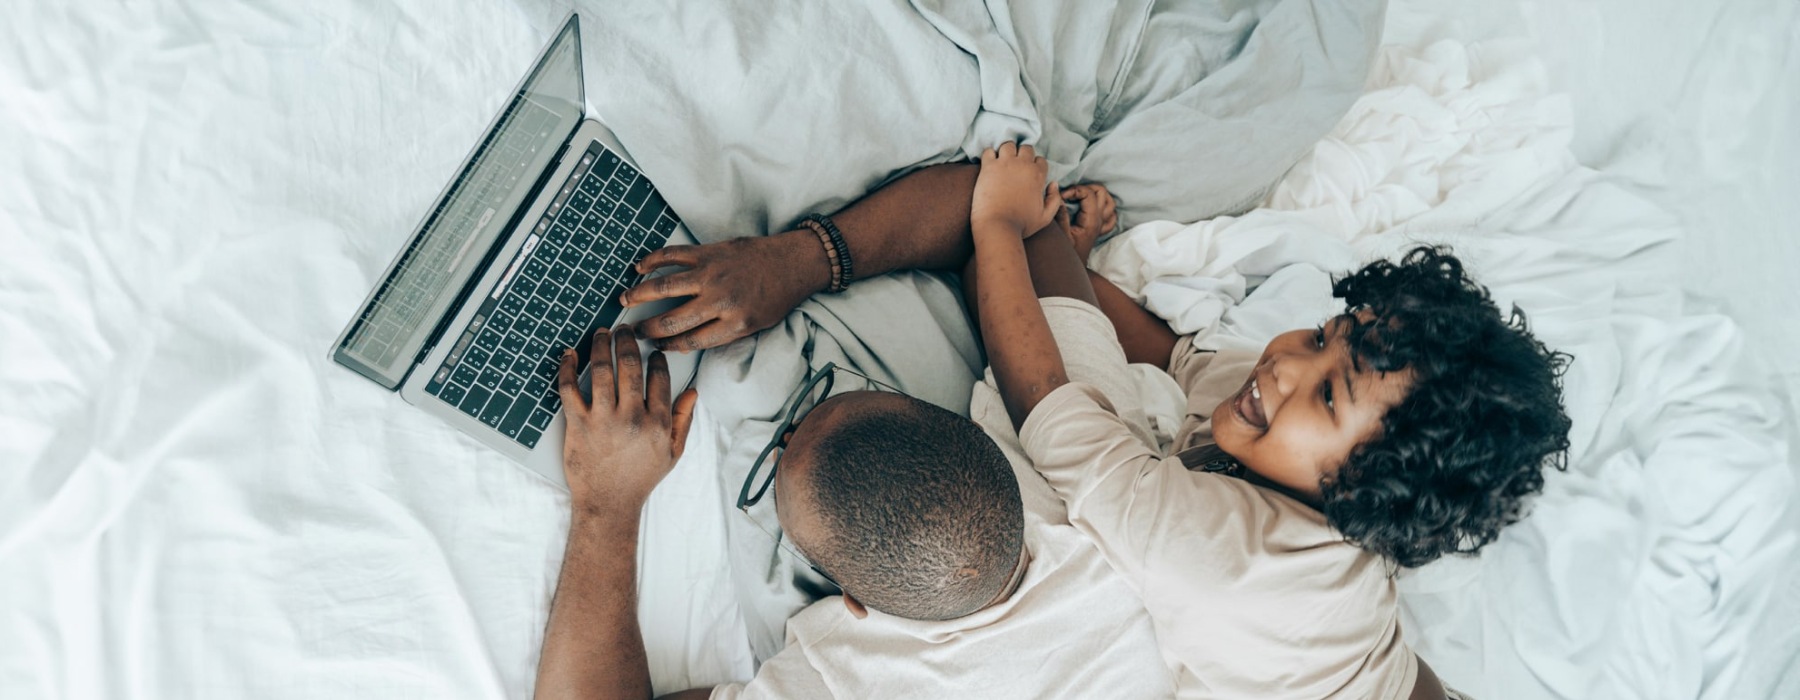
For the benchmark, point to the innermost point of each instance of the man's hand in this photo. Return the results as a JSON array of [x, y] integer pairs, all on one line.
[[1010, 193], [622, 443], [739, 287]]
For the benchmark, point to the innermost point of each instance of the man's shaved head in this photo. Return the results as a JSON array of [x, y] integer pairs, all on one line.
[[909, 507]]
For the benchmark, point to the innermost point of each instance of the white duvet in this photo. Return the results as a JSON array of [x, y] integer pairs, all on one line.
[[194, 503]]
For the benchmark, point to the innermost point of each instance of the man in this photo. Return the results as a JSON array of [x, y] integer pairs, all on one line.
[[949, 580]]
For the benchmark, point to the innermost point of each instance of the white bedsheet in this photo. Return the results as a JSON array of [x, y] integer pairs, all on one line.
[[168, 165]]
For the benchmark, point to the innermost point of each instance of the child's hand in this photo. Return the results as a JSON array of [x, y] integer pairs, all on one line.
[[1098, 216], [1010, 193]]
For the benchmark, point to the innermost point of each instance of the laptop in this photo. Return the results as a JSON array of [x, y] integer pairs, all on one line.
[[525, 252]]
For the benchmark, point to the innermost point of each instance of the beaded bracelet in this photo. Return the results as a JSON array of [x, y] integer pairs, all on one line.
[[837, 252]]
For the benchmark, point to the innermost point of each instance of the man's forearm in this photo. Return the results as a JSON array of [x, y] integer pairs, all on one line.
[[920, 221], [592, 647]]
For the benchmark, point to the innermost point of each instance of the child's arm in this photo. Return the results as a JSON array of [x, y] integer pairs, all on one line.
[[1010, 203], [1145, 336]]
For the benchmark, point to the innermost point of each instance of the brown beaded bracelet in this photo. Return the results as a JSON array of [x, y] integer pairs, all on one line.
[[837, 253], [837, 272]]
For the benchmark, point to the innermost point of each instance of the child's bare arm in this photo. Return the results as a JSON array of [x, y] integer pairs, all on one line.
[[1144, 335], [1010, 203]]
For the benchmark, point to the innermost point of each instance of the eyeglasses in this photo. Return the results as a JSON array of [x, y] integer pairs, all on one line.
[[816, 387]]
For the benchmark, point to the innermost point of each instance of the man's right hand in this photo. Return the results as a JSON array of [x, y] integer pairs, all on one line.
[[738, 287]]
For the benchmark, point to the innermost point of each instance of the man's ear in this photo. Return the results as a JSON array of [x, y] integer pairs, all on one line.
[[856, 607]]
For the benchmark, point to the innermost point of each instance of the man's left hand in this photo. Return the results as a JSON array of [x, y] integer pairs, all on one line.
[[621, 443]]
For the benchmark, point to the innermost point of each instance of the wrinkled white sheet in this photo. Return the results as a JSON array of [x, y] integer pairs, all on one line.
[[1655, 566], [194, 503]]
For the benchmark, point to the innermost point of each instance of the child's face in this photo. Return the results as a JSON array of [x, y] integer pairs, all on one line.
[[1305, 407]]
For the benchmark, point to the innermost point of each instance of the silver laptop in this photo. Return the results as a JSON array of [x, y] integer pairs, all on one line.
[[525, 252]]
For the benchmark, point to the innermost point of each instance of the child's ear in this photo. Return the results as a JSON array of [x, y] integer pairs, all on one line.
[[856, 607]]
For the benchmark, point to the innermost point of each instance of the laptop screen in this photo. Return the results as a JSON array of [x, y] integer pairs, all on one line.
[[467, 221]]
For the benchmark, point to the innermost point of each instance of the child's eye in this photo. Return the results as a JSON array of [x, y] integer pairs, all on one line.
[[1325, 392], [1319, 336]]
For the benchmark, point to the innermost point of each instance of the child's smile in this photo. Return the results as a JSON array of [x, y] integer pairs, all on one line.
[[1305, 407]]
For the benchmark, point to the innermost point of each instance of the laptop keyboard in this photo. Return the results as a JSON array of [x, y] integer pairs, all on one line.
[[564, 282]]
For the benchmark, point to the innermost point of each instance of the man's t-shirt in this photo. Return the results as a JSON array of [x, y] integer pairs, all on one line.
[[1251, 592], [1073, 629]]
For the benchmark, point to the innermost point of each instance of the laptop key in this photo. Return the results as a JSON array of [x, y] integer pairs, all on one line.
[[614, 268], [515, 418], [638, 195], [511, 385], [475, 401], [514, 342], [580, 241], [451, 393], [646, 217], [490, 378], [546, 333], [473, 360], [488, 340], [570, 335], [465, 375], [589, 264], [580, 200], [616, 189], [540, 419], [571, 294], [578, 280], [592, 185], [538, 306], [625, 171], [495, 410], [525, 366], [504, 357], [529, 436], [607, 164]]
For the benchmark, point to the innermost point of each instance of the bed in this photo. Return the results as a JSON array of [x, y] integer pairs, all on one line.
[[195, 503]]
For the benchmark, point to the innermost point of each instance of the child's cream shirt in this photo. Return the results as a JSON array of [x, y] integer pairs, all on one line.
[[1251, 593]]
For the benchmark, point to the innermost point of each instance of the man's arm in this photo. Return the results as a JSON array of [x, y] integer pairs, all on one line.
[[618, 447], [741, 286]]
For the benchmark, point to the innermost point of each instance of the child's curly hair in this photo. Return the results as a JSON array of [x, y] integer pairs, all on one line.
[[1458, 456]]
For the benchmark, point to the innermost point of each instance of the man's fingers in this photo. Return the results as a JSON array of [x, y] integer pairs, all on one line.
[[600, 369], [680, 284], [710, 335], [677, 320], [630, 368], [1052, 204], [656, 394], [682, 418], [566, 386], [684, 255]]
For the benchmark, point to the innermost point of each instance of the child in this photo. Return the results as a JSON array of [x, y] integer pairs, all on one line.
[[1411, 426]]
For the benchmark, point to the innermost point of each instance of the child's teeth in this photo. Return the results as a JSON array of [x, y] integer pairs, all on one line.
[[1255, 391]]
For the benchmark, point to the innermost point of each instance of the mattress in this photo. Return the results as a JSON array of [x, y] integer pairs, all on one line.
[[195, 503]]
